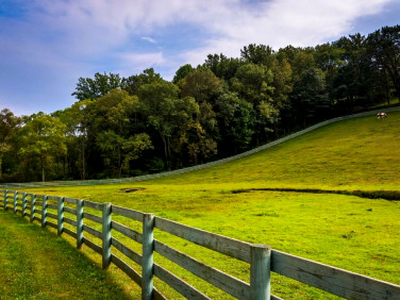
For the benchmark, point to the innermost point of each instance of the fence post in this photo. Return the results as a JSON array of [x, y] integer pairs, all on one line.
[[79, 224], [106, 235], [24, 204], [44, 211], [15, 201], [5, 199], [33, 207], [147, 258], [60, 215], [260, 280]]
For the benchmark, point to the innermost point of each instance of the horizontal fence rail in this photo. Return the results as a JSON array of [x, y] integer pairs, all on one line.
[[71, 216], [198, 167]]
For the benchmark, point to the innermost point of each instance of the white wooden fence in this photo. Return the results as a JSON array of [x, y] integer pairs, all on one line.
[[71, 216]]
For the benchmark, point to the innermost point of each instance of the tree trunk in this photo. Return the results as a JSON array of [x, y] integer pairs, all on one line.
[[43, 174], [165, 150], [83, 160], [1, 166]]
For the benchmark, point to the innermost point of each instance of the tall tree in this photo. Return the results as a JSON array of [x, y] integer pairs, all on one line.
[[8, 124], [134, 82], [93, 88], [384, 45], [310, 98], [203, 85], [115, 138], [258, 54], [43, 136], [182, 72], [165, 111]]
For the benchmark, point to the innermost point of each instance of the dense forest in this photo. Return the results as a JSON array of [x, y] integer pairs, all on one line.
[[121, 127]]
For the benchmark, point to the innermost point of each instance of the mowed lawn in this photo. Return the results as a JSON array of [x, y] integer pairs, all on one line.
[[358, 234]]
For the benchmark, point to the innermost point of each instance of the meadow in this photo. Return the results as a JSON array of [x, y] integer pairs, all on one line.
[[347, 231]]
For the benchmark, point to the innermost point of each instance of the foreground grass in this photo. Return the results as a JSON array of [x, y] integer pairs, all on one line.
[[35, 264], [361, 235]]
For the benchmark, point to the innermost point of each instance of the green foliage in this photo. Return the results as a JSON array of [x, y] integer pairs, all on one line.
[[43, 137], [202, 85], [133, 83], [181, 73], [93, 88], [384, 46], [8, 124]]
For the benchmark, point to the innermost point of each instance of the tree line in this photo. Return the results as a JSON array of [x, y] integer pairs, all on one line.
[[127, 126]]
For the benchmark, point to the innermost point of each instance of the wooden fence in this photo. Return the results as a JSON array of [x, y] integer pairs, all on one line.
[[71, 216]]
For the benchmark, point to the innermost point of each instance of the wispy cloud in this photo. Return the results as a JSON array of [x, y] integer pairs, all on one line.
[[78, 38], [148, 39]]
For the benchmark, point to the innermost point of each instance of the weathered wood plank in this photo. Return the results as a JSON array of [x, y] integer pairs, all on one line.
[[92, 245], [94, 205], [260, 275], [44, 211], [178, 284], [69, 232], [51, 224], [51, 206], [52, 198], [147, 257], [135, 276], [134, 235], [137, 258], [71, 200], [33, 208], [79, 224], [129, 213], [337, 281], [70, 221], [106, 235], [53, 216], [92, 231], [70, 210], [60, 215], [221, 280], [216, 242], [24, 204], [92, 217]]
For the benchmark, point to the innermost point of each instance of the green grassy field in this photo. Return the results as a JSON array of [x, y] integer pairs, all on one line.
[[357, 234]]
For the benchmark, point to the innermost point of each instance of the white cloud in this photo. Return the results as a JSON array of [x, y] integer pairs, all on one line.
[[148, 39], [75, 38], [93, 27], [279, 23], [133, 63]]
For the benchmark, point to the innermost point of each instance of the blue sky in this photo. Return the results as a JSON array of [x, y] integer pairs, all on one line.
[[46, 45]]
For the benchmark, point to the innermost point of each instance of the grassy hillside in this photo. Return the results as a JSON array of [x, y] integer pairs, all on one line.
[[358, 234]]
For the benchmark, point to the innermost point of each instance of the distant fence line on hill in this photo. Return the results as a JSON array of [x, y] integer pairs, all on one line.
[[81, 219], [198, 167]]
